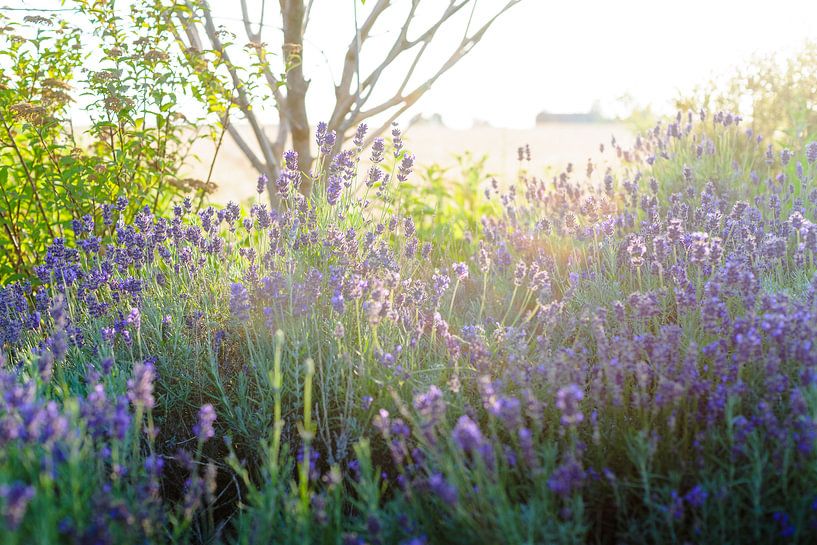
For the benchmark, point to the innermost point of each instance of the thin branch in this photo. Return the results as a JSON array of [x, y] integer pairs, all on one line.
[[382, 128], [245, 149], [344, 114], [244, 101], [465, 46], [245, 18], [357, 42], [194, 40], [307, 14]]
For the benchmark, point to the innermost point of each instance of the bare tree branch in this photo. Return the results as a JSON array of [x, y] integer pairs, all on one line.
[[245, 148], [352, 51], [243, 99], [245, 17], [344, 115], [351, 104], [465, 46]]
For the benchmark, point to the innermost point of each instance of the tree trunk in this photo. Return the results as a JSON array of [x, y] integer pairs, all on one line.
[[293, 18]]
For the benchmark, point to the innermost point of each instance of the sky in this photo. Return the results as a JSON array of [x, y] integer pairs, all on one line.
[[559, 56]]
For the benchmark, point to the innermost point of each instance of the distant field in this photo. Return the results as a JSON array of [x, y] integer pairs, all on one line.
[[551, 145]]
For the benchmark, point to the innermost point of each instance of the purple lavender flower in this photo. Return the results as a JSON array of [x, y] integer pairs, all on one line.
[[430, 405], [291, 160], [140, 387], [785, 156], [696, 497], [134, 318], [360, 135], [508, 410], [16, 497], [397, 139], [239, 302], [567, 478], [519, 273], [320, 133], [445, 491], [282, 184], [406, 164], [334, 187], [261, 184], [468, 437], [568, 401], [460, 270], [373, 175], [204, 427], [378, 148], [811, 152]]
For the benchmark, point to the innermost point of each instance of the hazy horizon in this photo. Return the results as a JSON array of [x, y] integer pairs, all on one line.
[[577, 59]]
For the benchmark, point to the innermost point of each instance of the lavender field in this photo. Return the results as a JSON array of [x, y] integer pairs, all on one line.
[[372, 350]]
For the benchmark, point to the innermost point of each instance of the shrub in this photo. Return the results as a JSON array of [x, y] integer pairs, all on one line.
[[612, 362], [52, 173], [774, 92]]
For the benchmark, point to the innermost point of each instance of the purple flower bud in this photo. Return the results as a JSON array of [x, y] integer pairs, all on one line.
[[378, 148], [262, 184], [334, 187], [460, 270], [239, 302], [567, 478], [430, 405], [16, 497], [140, 387], [445, 491], [291, 160], [811, 152], [360, 135], [405, 167], [397, 139], [204, 427], [469, 439], [568, 401]]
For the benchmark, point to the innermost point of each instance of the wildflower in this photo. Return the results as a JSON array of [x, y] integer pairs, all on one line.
[[16, 497], [568, 400], [468, 437], [204, 428], [397, 139], [405, 167], [444, 490], [334, 187], [378, 148], [239, 302], [430, 405], [360, 134], [636, 250], [696, 497], [262, 184], [460, 270], [140, 387], [567, 478], [291, 160], [811, 152]]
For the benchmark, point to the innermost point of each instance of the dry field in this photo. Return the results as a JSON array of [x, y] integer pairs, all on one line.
[[552, 145]]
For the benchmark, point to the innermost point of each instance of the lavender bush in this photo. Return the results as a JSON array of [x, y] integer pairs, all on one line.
[[615, 356]]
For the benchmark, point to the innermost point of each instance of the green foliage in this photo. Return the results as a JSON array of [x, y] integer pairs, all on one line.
[[447, 203], [53, 172]]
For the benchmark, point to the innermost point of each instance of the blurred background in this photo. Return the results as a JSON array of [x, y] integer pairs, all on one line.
[[594, 69], [479, 76]]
